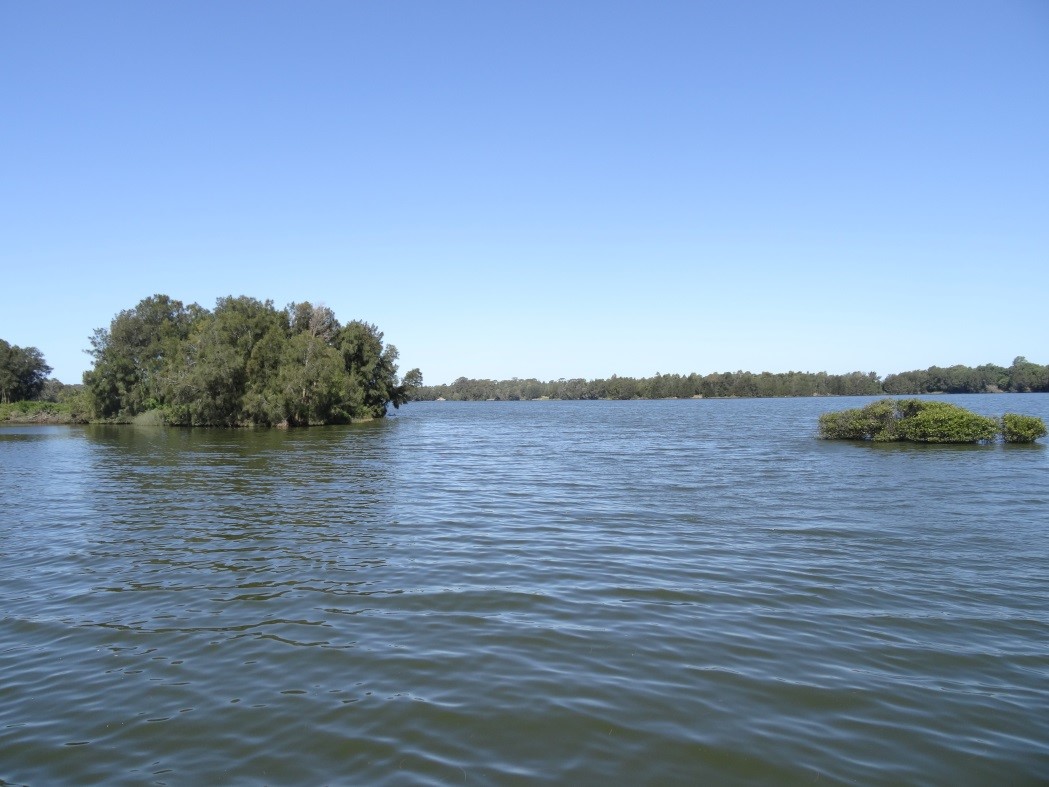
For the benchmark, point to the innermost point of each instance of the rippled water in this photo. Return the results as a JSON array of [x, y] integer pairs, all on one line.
[[564, 592]]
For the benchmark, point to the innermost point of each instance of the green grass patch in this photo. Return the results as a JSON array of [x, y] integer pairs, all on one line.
[[31, 412]]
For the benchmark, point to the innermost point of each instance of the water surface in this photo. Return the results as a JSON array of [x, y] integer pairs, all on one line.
[[494, 593]]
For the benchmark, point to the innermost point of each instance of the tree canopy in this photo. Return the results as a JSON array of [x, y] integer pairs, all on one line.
[[245, 362], [1022, 376], [23, 372]]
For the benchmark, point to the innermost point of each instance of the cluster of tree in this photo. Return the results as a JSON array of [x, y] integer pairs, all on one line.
[[1021, 376], [23, 373], [662, 386], [58, 392], [247, 362], [926, 421], [243, 363]]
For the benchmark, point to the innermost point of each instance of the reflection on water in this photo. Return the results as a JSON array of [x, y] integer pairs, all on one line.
[[625, 592]]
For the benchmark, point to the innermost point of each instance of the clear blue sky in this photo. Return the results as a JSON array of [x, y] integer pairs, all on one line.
[[547, 189]]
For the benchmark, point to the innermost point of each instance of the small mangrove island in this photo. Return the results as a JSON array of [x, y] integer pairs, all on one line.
[[925, 421]]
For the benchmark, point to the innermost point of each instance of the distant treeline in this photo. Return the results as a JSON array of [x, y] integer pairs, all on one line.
[[247, 362], [1021, 376]]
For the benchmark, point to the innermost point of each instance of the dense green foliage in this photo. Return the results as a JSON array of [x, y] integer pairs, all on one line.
[[43, 411], [1022, 428], [876, 421], [940, 422], [1021, 376], [23, 372], [662, 386], [245, 362], [925, 421], [57, 391]]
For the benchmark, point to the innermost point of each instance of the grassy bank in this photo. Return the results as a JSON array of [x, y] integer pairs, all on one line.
[[42, 413]]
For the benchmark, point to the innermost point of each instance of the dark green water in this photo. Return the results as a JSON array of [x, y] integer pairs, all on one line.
[[573, 593]]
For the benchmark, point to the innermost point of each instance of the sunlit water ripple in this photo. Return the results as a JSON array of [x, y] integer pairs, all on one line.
[[562, 592]]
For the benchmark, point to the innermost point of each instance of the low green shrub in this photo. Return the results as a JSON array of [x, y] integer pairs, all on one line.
[[876, 421], [926, 421], [34, 411], [23, 408], [1022, 428], [940, 422]]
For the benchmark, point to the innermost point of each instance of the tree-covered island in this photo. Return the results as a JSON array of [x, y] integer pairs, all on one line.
[[243, 363], [926, 421]]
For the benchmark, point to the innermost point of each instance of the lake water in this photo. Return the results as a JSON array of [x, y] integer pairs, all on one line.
[[679, 592]]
